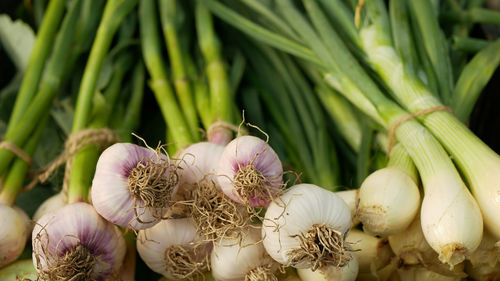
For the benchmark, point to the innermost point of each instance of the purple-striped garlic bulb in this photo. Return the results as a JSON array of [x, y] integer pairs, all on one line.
[[250, 172], [75, 242], [133, 186]]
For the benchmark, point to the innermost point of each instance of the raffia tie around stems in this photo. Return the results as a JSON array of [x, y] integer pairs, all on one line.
[[17, 151], [76, 141], [403, 119], [357, 13]]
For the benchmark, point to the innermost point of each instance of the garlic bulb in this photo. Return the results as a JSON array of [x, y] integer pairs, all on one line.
[[13, 233], [249, 171], [133, 185], [54, 202], [245, 259], [349, 272], [373, 253], [303, 220], [389, 199], [351, 198], [172, 248], [75, 240], [199, 161]]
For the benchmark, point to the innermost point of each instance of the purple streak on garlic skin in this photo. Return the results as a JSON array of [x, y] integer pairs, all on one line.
[[111, 184], [78, 224], [240, 153]]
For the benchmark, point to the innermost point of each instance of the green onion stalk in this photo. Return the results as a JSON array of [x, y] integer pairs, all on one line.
[[451, 219], [83, 165], [479, 164], [31, 79], [36, 114], [159, 83], [218, 82]]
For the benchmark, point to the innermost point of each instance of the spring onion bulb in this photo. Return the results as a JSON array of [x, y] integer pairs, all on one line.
[[372, 253], [351, 198], [482, 272], [386, 273], [349, 272], [303, 220], [243, 259], [133, 185], [418, 273], [75, 242], [488, 252], [388, 201], [19, 270], [173, 249], [249, 171], [13, 233], [54, 202]]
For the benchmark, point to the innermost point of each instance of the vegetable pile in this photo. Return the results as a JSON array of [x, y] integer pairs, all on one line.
[[248, 140]]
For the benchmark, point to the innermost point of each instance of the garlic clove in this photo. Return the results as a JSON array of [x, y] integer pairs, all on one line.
[[13, 234]]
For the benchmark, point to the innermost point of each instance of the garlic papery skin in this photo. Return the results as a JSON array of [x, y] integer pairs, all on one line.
[[172, 248], [249, 171], [452, 238], [349, 272], [351, 198], [13, 234], [304, 215], [389, 199], [199, 161], [242, 259], [133, 185], [372, 253], [75, 240], [53, 203]]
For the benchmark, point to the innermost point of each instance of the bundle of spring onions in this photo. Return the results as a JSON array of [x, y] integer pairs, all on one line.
[[255, 140]]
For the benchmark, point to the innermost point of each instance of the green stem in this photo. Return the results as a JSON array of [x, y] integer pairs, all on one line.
[[17, 174], [133, 111], [152, 54], [469, 45], [114, 13], [220, 90], [51, 82], [170, 10], [39, 54], [401, 159], [474, 15]]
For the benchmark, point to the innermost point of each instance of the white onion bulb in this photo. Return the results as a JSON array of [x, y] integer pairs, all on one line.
[[13, 233], [172, 249], [133, 185], [242, 259], [349, 272], [75, 240], [389, 199], [351, 198], [306, 214], [249, 171]]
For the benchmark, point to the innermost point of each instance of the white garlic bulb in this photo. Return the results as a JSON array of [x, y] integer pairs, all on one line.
[[54, 202], [172, 248], [76, 241], [242, 259], [349, 272], [302, 220], [133, 186], [13, 233], [199, 161]]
